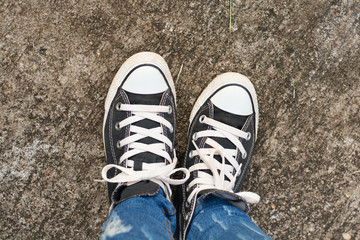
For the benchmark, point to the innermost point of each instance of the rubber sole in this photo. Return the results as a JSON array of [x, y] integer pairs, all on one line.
[[222, 80]]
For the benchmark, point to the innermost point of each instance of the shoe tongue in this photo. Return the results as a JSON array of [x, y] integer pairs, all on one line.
[[145, 157], [232, 120], [142, 188]]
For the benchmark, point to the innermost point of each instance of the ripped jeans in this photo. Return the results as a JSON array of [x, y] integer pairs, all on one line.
[[154, 217]]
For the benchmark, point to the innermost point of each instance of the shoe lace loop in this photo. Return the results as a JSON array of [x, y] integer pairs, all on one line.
[[222, 175], [159, 172]]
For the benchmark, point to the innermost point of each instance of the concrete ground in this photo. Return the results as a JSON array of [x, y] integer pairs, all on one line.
[[58, 59]]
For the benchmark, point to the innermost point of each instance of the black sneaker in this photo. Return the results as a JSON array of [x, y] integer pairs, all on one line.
[[221, 138], [139, 130]]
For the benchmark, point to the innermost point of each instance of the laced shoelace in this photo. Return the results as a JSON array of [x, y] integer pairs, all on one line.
[[217, 180], [160, 172]]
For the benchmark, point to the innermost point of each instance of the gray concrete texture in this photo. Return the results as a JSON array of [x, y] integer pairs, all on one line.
[[58, 59]]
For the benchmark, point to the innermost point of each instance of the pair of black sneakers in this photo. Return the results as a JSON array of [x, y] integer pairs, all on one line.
[[139, 133]]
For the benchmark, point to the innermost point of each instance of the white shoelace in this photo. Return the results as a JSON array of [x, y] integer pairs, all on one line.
[[159, 173], [216, 180]]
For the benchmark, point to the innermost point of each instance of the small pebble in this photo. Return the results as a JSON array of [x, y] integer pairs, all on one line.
[[326, 206], [346, 236]]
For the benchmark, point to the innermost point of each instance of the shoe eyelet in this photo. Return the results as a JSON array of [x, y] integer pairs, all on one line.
[[248, 137], [191, 155], [118, 144], [202, 118], [194, 137], [117, 126], [118, 106], [170, 110], [244, 155], [171, 129]]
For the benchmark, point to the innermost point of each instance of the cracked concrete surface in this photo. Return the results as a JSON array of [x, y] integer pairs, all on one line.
[[58, 59]]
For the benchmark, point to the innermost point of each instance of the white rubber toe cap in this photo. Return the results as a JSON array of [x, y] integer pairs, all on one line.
[[233, 99], [145, 80]]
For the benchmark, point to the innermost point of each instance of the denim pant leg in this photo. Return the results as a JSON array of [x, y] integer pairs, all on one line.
[[215, 218], [148, 217]]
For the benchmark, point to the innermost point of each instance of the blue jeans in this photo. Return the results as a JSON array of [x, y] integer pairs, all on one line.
[[154, 217]]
